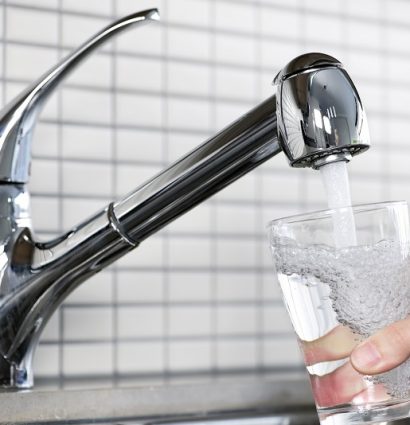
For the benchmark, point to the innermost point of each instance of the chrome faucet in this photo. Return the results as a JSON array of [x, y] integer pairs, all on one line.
[[315, 117]]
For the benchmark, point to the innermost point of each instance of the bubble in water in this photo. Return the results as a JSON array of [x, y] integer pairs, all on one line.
[[369, 289]]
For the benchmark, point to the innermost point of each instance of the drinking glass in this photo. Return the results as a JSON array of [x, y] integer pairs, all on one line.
[[344, 275]]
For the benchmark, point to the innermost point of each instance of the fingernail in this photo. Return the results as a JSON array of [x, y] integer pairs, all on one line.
[[366, 355]]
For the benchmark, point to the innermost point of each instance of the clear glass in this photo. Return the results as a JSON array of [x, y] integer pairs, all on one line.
[[345, 274]]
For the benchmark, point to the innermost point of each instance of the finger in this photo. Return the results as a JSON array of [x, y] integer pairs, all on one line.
[[384, 350], [335, 345], [338, 387]]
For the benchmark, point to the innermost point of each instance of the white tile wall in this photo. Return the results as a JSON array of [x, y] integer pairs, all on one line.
[[92, 6], [141, 357], [32, 25], [149, 287], [192, 355], [229, 317], [138, 73], [85, 142], [189, 44], [142, 110], [235, 49], [40, 60], [235, 16], [190, 286], [236, 286], [87, 359], [201, 295], [199, 11], [138, 145], [194, 321], [237, 354]]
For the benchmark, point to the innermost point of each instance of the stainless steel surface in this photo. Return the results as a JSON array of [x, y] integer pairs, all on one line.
[[240, 397], [304, 63], [320, 114], [36, 277], [258, 400], [298, 417], [301, 417]]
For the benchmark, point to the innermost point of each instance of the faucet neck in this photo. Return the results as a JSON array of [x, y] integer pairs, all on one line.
[[38, 276]]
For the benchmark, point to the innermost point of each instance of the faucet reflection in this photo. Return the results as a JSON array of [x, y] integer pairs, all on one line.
[[315, 117]]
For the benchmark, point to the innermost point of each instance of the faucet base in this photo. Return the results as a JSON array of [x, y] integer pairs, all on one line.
[[14, 377]]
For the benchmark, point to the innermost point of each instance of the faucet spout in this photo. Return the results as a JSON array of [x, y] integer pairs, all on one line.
[[315, 116]]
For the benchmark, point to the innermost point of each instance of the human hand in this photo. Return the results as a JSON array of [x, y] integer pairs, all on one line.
[[344, 384], [380, 353], [384, 350]]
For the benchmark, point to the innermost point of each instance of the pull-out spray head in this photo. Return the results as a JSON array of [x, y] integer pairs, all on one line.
[[320, 115]]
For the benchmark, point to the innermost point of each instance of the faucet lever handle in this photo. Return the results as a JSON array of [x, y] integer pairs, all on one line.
[[18, 118]]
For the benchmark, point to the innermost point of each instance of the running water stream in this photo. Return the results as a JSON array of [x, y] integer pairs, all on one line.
[[336, 181]]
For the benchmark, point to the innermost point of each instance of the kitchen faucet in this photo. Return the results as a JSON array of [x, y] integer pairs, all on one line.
[[315, 117]]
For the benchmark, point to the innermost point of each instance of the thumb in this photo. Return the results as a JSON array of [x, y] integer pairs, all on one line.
[[384, 350]]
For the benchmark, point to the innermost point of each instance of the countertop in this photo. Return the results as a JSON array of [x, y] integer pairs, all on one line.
[[128, 400]]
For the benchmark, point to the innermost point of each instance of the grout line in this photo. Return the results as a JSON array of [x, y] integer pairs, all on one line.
[[151, 163], [191, 131], [165, 243], [373, 113], [379, 113], [129, 376], [211, 236], [133, 90], [259, 199], [151, 93], [198, 269], [114, 180], [178, 338], [4, 55], [386, 179], [177, 304], [213, 202], [60, 184]]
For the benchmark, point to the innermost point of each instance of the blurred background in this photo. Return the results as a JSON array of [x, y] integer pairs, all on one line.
[[200, 297]]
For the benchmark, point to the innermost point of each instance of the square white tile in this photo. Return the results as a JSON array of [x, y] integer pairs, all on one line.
[[189, 286], [140, 287], [88, 324], [100, 7], [139, 110], [87, 359], [95, 106], [189, 321], [237, 354], [191, 355], [20, 26], [140, 322], [141, 357]]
